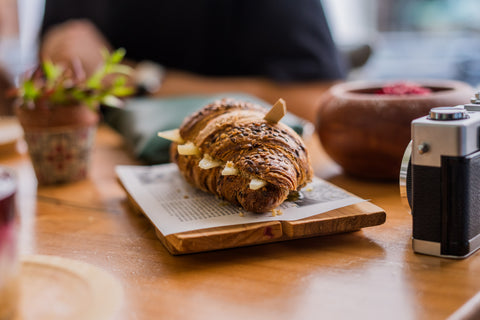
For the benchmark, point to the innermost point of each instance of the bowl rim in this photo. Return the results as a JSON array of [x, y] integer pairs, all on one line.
[[351, 89]]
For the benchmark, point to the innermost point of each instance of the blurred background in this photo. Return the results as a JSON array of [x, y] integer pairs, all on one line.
[[410, 39], [382, 39], [414, 39], [19, 25]]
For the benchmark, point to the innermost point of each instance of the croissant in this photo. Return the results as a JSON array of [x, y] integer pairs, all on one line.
[[240, 153]]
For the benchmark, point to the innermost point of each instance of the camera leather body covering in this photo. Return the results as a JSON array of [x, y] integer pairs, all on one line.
[[446, 204], [427, 200], [443, 183], [461, 203]]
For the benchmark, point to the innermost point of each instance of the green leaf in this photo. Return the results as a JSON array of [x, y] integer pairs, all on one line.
[[29, 91], [57, 87], [117, 56], [122, 91], [120, 68], [95, 81], [79, 95], [58, 95], [119, 81], [105, 53], [52, 72]]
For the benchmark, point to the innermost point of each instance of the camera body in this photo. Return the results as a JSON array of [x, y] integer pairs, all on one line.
[[441, 175]]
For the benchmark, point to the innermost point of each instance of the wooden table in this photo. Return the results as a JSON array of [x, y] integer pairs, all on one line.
[[369, 274]]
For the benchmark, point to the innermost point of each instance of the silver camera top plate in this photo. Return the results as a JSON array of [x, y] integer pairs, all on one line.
[[434, 138]]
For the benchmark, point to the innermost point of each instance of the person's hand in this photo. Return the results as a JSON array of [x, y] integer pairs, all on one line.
[[76, 44]]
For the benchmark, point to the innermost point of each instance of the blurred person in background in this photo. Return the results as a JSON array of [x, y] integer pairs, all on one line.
[[267, 48]]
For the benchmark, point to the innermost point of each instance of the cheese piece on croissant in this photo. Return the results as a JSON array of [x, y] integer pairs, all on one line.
[[257, 162], [172, 135], [229, 169]]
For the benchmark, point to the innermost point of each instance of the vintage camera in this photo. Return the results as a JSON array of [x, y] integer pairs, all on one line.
[[440, 177]]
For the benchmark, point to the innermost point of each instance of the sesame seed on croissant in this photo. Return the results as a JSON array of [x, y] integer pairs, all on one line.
[[227, 148]]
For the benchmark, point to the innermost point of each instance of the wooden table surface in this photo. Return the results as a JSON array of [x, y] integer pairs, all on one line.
[[368, 274]]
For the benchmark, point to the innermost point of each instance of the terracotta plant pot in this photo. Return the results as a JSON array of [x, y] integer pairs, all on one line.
[[366, 133], [59, 140]]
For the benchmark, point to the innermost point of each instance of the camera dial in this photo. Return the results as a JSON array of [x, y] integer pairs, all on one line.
[[476, 98], [448, 113]]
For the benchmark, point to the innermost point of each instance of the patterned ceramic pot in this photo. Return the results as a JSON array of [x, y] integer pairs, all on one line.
[[60, 154], [60, 141]]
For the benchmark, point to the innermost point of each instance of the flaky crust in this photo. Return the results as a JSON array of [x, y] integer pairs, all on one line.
[[233, 131]]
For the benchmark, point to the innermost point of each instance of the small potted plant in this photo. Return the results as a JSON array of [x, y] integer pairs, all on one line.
[[58, 110]]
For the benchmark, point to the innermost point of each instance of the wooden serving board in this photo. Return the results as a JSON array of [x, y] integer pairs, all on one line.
[[346, 219]]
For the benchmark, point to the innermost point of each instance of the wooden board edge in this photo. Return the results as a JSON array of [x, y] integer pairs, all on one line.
[[345, 219], [223, 237]]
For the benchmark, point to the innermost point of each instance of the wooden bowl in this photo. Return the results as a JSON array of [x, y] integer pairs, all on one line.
[[366, 133]]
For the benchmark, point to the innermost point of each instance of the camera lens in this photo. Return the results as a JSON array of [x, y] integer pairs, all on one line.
[[405, 180]]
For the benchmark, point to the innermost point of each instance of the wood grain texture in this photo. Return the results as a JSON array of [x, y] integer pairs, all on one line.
[[346, 219], [369, 274], [222, 238], [55, 288]]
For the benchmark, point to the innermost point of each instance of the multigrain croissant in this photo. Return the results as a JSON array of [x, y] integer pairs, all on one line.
[[237, 152]]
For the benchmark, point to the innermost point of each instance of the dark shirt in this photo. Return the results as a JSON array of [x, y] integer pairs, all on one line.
[[286, 40]]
